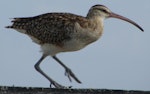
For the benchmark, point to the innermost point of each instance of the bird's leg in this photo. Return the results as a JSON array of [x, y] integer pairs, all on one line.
[[52, 82], [68, 71]]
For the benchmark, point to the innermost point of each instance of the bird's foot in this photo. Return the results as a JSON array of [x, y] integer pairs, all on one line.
[[70, 74], [56, 85]]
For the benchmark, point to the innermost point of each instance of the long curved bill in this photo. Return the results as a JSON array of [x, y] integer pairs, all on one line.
[[114, 15]]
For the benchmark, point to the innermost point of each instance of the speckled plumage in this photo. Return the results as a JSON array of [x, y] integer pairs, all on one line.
[[63, 32], [50, 27]]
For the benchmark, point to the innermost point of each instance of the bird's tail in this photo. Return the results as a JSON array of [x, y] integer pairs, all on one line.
[[19, 24]]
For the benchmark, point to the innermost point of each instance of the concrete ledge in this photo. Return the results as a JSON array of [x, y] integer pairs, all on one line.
[[34, 90]]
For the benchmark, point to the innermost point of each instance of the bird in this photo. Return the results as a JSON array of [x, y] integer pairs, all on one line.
[[58, 32]]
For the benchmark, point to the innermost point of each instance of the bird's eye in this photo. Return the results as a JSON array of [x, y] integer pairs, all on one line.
[[104, 10]]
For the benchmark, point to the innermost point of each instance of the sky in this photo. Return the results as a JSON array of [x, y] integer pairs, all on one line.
[[120, 59]]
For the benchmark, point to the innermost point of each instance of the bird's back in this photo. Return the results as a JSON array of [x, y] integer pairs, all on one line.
[[50, 27]]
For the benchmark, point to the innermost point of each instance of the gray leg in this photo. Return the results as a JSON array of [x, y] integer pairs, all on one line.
[[68, 71], [52, 82]]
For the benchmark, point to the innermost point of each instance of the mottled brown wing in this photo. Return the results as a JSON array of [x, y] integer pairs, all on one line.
[[48, 28]]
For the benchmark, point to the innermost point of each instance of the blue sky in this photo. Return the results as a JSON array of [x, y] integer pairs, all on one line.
[[119, 60]]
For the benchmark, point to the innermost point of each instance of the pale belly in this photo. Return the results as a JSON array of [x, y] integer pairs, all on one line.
[[51, 49], [73, 45]]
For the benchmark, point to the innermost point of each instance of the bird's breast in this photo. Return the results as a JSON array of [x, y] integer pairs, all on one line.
[[81, 38]]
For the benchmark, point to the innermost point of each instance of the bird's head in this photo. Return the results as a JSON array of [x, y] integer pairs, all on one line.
[[104, 12]]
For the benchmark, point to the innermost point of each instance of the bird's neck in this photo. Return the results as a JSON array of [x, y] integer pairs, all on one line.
[[95, 17], [96, 22]]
